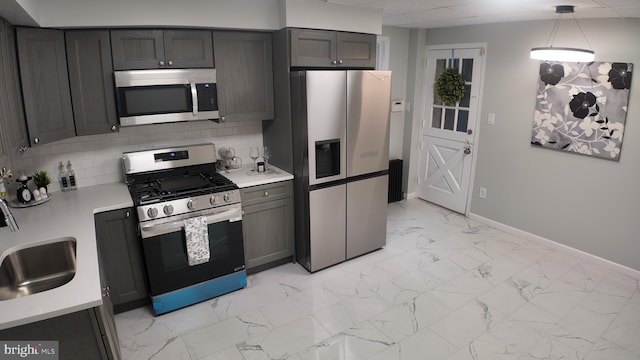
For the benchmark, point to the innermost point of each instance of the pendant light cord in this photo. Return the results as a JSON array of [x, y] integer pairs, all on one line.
[[556, 26], [582, 31]]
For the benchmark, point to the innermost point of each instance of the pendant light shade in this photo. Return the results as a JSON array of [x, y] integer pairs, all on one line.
[[562, 54], [549, 52]]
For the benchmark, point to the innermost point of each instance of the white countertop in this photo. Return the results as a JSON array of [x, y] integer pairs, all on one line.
[[244, 177], [70, 214], [67, 214]]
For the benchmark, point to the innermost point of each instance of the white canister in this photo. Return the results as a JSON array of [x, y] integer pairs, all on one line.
[[36, 195], [43, 192]]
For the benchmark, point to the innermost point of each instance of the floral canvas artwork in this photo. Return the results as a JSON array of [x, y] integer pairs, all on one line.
[[582, 107]]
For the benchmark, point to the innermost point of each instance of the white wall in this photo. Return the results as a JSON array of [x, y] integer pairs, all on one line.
[[398, 62], [236, 14], [322, 15], [587, 203], [245, 14]]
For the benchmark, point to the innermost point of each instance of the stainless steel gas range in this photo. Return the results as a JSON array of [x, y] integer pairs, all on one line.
[[190, 225]]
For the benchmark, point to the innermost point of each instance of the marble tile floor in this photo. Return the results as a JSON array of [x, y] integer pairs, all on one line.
[[444, 287]]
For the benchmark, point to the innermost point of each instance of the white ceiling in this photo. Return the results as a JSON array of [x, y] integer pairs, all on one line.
[[442, 13]]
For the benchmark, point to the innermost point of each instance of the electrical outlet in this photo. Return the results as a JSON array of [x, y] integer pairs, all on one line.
[[491, 119], [483, 193]]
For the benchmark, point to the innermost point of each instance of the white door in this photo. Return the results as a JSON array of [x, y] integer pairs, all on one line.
[[449, 131]]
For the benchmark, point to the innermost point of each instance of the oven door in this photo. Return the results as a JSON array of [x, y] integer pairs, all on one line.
[[165, 252]]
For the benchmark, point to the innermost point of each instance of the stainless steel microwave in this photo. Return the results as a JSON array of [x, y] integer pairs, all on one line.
[[161, 96]]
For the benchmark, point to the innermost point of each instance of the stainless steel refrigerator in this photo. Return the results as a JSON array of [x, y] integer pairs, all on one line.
[[340, 124]]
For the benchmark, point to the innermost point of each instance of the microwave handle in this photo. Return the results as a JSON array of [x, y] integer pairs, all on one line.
[[194, 98]]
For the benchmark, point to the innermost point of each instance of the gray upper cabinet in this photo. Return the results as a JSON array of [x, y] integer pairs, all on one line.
[[244, 70], [45, 84], [91, 81], [154, 49], [13, 130], [324, 48], [121, 257]]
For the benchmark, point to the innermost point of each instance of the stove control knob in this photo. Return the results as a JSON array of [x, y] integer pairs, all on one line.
[[227, 197], [191, 204], [214, 199], [152, 212], [168, 209]]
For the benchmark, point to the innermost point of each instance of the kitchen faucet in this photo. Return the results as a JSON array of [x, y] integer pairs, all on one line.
[[8, 216]]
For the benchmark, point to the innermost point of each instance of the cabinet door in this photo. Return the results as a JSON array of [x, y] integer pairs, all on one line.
[[91, 81], [313, 48], [244, 70], [120, 252], [12, 123], [356, 50], [188, 49], [137, 49], [267, 232], [45, 84]]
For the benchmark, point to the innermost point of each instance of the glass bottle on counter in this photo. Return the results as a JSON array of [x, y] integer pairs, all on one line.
[[72, 176], [3, 189], [62, 178]]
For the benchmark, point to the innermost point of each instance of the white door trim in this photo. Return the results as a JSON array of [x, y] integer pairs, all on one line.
[[427, 92]]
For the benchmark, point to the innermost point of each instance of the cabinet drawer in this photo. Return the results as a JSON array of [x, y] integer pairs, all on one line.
[[262, 193]]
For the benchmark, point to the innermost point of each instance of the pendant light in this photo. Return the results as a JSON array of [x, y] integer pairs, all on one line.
[[548, 52]]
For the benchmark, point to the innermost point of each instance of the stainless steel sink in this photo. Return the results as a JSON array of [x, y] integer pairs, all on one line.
[[38, 268]]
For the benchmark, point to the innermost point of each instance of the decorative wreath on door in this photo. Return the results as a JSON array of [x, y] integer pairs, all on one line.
[[450, 87]]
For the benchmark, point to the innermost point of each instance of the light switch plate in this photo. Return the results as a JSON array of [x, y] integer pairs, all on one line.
[[491, 119]]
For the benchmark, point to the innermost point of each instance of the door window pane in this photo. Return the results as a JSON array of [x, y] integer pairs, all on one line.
[[466, 99], [467, 69], [436, 120], [463, 120], [449, 118], [454, 63]]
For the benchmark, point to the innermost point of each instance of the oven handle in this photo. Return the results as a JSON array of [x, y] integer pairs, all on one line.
[[232, 214]]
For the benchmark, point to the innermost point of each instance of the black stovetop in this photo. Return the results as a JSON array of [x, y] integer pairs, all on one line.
[[157, 186]]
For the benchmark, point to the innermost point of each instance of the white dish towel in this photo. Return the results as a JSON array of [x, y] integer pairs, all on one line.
[[197, 240]]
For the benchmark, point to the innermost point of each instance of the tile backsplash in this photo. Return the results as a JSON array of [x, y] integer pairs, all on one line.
[[97, 159]]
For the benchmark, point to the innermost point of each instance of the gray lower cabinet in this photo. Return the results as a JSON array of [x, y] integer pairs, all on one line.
[[13, 130], [244, 67], [45, 84], [121, 258], [91, 81], [79, 335], [325, 48], [158, 49], [267, 225]]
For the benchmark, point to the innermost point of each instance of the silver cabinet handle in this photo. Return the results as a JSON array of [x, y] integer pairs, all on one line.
[[127, 214], [36, 140], [114, 128], [170, 63], [161, 63], [223, 119], [334, 62], [339, 61], [266, 193]]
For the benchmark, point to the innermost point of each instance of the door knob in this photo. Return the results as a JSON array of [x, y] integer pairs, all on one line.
[[467, 150], [469, 131]]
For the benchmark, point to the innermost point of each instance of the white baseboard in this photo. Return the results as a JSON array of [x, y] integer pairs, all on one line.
[[555, 245], [411, 195]]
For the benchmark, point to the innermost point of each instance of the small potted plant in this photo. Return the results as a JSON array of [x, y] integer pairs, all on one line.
[[41, 179]]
